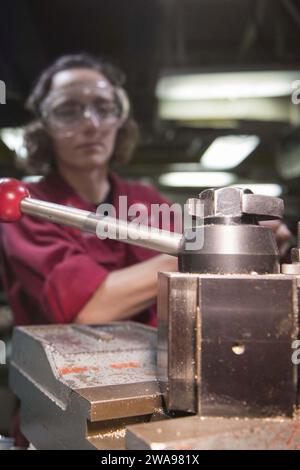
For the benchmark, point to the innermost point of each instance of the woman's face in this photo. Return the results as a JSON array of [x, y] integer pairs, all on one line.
[[82, 122]]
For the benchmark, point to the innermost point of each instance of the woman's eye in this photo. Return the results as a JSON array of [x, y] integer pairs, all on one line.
[[68, 110], [106, 109]]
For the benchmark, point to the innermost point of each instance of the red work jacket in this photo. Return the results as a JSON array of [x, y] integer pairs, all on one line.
[[51, 271]]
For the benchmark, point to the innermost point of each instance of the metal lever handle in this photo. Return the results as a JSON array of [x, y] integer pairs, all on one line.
[[15, 201]]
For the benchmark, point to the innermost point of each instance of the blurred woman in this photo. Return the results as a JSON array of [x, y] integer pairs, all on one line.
[[55, 274]]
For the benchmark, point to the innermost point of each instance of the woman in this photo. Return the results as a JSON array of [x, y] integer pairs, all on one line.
[[55, 274]]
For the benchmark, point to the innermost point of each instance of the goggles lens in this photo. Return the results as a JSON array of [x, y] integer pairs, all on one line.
[[66, 110]]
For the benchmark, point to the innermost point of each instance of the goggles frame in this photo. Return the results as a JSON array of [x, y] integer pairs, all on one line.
[[95, 89]]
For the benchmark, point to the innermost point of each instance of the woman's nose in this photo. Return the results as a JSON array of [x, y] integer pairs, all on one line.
[[92, 120]]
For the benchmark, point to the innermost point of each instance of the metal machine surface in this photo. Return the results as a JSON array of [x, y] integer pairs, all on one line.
[[80, 386], [227, 325]]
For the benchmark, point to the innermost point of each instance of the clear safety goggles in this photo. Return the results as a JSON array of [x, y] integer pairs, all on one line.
[[65, 111]]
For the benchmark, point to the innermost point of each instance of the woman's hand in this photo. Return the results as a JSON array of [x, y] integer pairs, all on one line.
[[126, 292], [282, 234]]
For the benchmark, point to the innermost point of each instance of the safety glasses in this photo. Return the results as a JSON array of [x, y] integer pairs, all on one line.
[[67, 110]]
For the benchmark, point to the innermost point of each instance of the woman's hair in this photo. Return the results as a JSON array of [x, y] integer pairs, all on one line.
[[40, 152]]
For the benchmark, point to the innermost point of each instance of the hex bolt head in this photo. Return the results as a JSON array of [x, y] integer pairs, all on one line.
[[235, 202]]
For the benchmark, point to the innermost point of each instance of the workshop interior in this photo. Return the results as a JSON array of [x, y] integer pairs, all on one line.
[[213, 89]]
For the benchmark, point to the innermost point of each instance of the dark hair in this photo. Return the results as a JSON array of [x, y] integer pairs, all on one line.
[[40, 151]]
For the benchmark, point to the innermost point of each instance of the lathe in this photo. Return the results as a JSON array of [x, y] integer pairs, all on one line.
[[221, 371]]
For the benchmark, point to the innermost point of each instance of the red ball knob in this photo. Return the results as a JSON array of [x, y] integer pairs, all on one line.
[[12, 192]]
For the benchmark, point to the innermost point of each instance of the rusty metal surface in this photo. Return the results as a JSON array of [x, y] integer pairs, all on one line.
[[90, 356], [80, 386], [198, 433]]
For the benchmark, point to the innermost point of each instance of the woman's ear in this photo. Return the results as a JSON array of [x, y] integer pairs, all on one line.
[[126, 141], [39, 147], [125, 105]]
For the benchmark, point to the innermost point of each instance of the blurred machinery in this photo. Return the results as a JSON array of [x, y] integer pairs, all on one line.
[[220, 373]]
